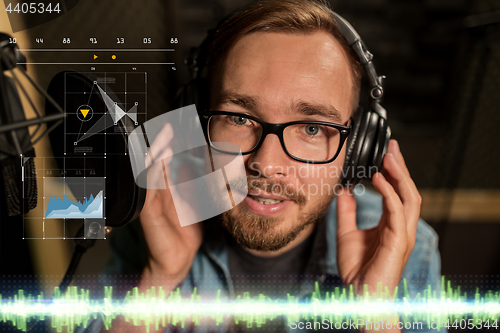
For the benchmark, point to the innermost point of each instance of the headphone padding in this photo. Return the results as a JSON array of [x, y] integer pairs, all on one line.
[[383, 137], [368, 142], [354, 146]]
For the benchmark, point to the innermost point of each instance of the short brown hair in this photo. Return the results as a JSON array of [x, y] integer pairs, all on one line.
[[283, 16]]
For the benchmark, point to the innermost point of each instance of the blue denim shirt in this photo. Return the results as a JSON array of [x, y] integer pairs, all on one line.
[[210, 270]]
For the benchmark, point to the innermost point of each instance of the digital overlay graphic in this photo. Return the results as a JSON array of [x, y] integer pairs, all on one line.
[[203, 184], [156, 308]]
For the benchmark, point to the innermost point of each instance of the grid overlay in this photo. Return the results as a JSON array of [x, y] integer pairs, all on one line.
[[52, 180], [131, 94]]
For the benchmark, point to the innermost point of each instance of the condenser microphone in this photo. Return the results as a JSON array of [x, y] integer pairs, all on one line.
[[16, 148], [124, 199], [17, 167]]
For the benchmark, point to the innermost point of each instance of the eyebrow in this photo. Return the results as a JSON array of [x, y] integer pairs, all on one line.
[[304, 108], [247, 102], [318, 110]]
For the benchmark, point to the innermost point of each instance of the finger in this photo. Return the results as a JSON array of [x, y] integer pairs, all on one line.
[[161, 144], [152, 207], [150, 196], [404, 187], [396, 151], [346, 214], [396, 221], [155, 178]]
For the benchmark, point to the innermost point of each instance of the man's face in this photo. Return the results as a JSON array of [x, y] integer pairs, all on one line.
[[280, 78]]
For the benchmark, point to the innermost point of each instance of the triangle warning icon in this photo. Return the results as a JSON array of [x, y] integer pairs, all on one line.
[[84, 112]]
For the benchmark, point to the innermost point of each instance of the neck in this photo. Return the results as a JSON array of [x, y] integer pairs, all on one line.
[[299, 239]]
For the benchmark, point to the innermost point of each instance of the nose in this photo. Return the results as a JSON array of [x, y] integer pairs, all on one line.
[[270, 160]]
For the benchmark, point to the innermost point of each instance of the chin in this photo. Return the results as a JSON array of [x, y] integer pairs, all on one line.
[[261, 233]]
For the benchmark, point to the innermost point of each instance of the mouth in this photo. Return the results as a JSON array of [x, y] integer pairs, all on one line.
[[266, 204], [265, 201]]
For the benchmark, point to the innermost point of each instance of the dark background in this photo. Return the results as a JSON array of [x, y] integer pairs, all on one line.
[[442, 62]]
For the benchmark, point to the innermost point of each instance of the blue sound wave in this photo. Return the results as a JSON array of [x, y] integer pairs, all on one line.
[[66, 208]]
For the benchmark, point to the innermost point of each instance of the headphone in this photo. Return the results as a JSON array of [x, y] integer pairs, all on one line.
[[370, 134]]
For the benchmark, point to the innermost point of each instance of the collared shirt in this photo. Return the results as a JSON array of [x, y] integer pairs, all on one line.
[[211, 277]]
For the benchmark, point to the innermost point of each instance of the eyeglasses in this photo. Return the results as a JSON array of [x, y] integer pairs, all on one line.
[[313, 142]]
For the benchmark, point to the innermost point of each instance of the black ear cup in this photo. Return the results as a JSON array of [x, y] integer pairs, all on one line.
[[124, 199], [187, 95], [195, 92], [381, 144], [359, 128], [366, 147], [364, 169]]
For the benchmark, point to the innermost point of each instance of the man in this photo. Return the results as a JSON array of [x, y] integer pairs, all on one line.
[[277, 62]]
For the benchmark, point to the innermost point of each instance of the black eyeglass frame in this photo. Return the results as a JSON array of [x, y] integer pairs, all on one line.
[[277, 129]]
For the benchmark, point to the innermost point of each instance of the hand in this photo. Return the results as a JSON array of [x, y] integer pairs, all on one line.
[[379, 254], [172, 248]]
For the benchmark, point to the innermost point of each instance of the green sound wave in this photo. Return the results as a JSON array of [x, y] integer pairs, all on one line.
[[157, 308]]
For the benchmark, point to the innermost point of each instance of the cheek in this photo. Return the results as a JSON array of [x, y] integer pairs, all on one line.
[[321, 179]]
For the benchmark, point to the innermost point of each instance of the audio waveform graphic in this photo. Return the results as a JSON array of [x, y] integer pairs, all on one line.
[[69, 209], [159, 309]]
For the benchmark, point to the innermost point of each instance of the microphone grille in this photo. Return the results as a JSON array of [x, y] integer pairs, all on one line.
[[19, 201]]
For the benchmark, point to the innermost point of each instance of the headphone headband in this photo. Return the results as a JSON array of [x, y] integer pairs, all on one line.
[[365, 57]]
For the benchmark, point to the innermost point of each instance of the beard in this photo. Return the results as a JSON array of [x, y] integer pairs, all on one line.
[[264, 233]]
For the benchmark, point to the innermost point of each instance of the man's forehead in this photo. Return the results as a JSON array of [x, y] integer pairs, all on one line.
[[303, 73]]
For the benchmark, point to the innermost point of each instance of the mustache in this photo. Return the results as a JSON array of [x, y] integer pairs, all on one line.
[[271, 186]]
